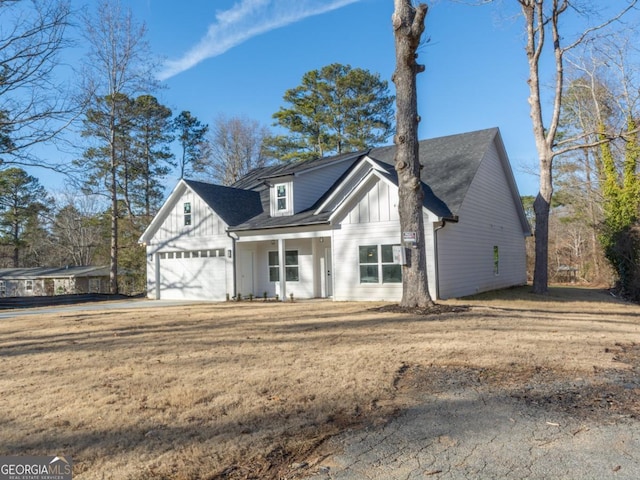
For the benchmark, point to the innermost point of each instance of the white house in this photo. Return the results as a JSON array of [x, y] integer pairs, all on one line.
[[328, 227]]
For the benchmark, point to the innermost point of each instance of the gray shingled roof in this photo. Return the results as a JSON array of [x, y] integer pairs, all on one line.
[[257, 176], [450, 164], [53, 272], [233, 205]]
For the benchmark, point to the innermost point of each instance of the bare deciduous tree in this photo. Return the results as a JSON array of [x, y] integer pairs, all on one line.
[[408, 26], [236, 146], [542, 18], [76, 233], [35, 106], [119, 63]]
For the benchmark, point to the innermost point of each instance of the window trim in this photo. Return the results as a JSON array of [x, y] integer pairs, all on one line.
[[284, 197], [289, 268], [186, 207], [379, 263]]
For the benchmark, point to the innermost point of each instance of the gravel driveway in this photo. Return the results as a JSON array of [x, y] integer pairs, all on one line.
[[586, 429]]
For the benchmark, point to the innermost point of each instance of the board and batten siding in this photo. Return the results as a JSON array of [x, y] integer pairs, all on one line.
[[204, 222], [488, 218], [372, 219], [206, 232]]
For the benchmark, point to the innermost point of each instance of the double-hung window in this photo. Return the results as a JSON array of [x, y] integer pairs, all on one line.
[[291, 267], [187, 213], [377, 264], [281, 197]]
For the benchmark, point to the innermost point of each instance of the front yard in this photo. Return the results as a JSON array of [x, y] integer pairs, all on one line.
[[246, 389]]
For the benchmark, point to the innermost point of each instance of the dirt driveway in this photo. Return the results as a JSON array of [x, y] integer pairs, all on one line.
[[506, 385]]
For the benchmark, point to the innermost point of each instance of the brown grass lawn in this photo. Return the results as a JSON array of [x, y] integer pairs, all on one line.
[[237, 390]]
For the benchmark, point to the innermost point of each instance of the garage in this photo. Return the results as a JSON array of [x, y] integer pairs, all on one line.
[[194, 275]]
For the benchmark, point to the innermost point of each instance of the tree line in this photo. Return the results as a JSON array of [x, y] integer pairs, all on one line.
[[585, 215]]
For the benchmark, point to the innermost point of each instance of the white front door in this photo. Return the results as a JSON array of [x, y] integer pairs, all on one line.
[[245, 273], [328, 281]]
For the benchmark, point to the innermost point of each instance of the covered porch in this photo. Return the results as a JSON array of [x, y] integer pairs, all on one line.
[[284, 263]]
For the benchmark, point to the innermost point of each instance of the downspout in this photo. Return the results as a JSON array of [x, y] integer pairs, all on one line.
[[439, 225], [233, 260]]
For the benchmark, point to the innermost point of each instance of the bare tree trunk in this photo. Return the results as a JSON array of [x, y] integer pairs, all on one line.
[[408, 25], [544, 137], [113, 267]]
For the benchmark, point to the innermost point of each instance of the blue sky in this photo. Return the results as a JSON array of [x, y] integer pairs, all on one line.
[[237, 57]]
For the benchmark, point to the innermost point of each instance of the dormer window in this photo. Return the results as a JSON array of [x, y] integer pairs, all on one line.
[[281, 197]]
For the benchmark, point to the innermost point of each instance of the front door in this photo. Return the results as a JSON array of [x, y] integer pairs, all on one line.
[[245, 270], [328, 280]]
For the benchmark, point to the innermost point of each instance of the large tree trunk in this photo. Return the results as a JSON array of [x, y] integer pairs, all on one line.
[[408, 25], [542, 208], [544, 137]]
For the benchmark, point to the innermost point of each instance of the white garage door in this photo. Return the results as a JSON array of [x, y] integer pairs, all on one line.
[[183, 276]]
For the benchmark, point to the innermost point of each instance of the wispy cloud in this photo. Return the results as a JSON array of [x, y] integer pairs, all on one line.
[[246, 19]]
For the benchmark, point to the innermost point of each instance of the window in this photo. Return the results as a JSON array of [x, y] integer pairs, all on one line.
[[496, 260], [377, 262], [391, 271], [281, 197], [3, 289], [28, 285], [274, 267], [291, 267], [369, 264], [187, 213]]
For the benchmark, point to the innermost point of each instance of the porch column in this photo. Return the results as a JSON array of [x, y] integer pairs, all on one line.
[[281, 260]]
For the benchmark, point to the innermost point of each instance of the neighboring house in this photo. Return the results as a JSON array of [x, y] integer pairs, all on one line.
[[45, 281], [328, 228]]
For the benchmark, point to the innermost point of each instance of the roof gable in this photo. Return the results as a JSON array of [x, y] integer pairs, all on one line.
[[449, 165], [232, 205]]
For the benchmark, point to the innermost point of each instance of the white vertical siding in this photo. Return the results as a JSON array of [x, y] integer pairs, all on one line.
[[372, 220], [378, 202], [206, 232], [487, 218], [204, 221]]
